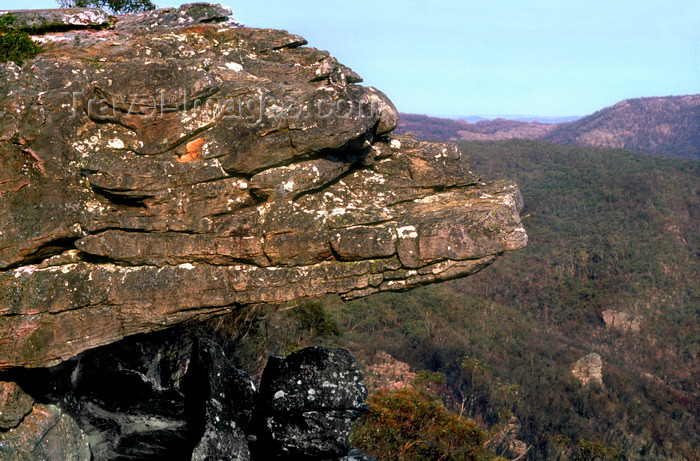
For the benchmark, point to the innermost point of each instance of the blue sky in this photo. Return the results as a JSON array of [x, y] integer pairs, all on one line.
[[454, 58]]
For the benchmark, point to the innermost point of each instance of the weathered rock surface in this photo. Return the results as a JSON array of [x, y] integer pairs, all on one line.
[[309, 400], [386, 372], [589, 369], [167, 18], [174, 166], [15, 404], [622, 321], [128, 399], [58, 19], [45, 433], [174, 395], [166, 167], [228, 397]]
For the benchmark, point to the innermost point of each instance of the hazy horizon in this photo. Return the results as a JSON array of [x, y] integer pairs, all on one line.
[[466, 117], [468, 58]]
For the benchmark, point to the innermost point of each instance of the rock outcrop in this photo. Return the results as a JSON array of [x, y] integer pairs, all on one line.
[[309, 400], [174, 166], [166, 167], [62, 19], [174, 395], [622, 321], [589, 370]]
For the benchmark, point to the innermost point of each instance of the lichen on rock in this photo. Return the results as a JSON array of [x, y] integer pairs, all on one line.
[[165, 167], [175, 165]]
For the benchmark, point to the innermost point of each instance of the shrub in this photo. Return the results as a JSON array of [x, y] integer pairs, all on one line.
[[586, 450], [253, 334], [312, 316], [15, 45], [412, 424]]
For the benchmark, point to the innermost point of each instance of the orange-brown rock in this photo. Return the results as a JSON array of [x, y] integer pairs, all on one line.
[[175, 166]]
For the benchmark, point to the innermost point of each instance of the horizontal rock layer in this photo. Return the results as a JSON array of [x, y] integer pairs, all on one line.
[[57, 19], [175, 166]]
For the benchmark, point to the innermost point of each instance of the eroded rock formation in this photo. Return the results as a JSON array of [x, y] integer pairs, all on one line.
[[171, 166], [154, 174], [589, 369]]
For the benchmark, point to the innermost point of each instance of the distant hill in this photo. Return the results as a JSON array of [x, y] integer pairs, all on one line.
[[443, 129], [541, 119], [473, 118], [425, 127], [667, 126], [522, 118]]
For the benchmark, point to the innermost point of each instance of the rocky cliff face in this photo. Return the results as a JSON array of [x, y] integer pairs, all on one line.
[[171, 166]]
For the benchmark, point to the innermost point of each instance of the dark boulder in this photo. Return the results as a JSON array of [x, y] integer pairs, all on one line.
[[127, 398], [308, 401], [175, 395], [226, 405]]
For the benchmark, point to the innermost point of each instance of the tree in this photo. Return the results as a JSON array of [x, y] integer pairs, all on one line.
[[115, 6]]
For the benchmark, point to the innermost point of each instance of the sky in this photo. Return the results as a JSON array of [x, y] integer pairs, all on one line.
[[495, 57]]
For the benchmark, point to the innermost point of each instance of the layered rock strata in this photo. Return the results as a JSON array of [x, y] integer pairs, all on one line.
[[166, 167], [173, 166]]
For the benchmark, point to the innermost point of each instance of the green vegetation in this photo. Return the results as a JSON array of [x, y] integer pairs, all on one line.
[[253, 334], [608, 231], [587, 450], [412, 424], [312, 316], [15, 45], [115, 6]]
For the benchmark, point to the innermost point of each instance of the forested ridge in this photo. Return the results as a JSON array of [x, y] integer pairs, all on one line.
[[667, 126], [609, 231]]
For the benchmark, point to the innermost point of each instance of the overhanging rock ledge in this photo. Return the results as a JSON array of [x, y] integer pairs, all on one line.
[[173, 166]]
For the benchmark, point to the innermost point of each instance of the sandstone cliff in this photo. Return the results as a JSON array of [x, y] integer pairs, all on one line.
[[170, 166], [158, 171]]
